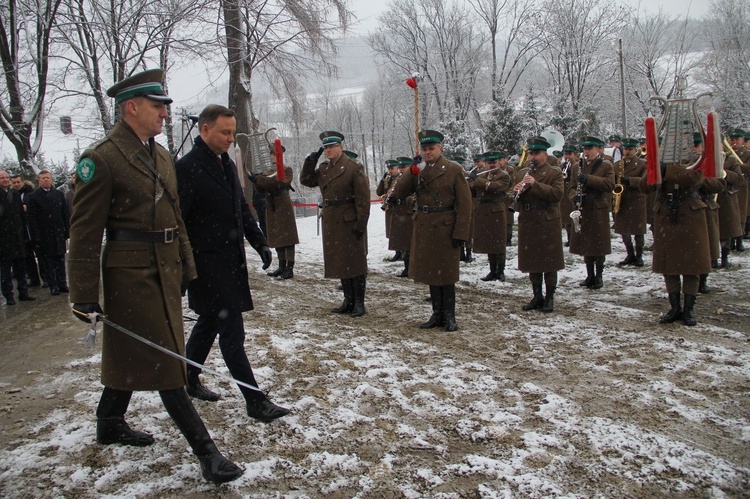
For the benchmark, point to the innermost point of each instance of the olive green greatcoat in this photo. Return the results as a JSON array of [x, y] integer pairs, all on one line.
[[730, 224], [680, 248], [594, 238], [281, 224], [141, 281], [402, 222], [631, 219], [434, 260], [344, 255], [742, 195], [382, 190], [540, 247], [708, 190], [490, 212]]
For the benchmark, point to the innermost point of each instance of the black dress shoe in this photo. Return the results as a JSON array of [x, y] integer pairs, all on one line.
[[26, 298], [64, 289], [199, 391], [265, 410], [35, 284], [9, 300], [54, 290], [114, 430]]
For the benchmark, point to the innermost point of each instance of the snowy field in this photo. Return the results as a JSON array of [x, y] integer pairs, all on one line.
[[594, 400]]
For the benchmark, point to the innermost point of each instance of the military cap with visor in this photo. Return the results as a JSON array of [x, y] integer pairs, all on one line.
[[570, 148], [478, 157], [403, 161], [697, 138], [495, 155], [430, 137], [592, 141], [391, 163], [144, 84], [630, 142], [615, 138], [538, 144], [737, 133], [351, 154], [329, 138]]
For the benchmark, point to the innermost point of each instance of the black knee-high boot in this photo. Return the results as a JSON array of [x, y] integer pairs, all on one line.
[[436, 319], [347, 286], [111, 427], [449, 307], [215, 467], [359, 285]]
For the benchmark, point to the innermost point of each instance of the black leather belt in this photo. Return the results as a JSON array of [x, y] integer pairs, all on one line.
[[337, 202], [543, 206], [490, 200], [396, 201], [434, 209], [143, 236]]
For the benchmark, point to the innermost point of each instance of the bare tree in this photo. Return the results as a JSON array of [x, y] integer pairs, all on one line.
[[25, 28], [518, 45], [580, 36], [726, 67], [280, 40]]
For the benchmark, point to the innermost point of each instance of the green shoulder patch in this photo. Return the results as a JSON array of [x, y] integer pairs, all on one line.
[[85, 169]]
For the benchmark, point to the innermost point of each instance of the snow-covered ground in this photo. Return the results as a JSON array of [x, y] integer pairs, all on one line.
[[594, 400]]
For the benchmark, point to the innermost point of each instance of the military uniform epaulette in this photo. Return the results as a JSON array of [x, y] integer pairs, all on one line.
[[97, 144]]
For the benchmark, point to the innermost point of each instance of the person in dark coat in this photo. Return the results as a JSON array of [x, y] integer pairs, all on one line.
[[491, 189], [12, 251], [540, 250], [709, 190], [218, 219], [127, 185], [49, 224], [281, 223], [596, 179], [441, 225], [402, 223], [382, 190], [24, 188], [345, 213], [630, 219]]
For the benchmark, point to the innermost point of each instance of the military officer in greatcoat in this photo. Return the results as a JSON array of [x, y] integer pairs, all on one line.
[[441, 225], [281, 222], [680, 238], [708, 192], [737, 141], [570, 157], [730, 223], [594, 178], [382, 190], [491, 188], [402, 224], [630, 219], [128, 187], [346, 210], [540, 250]]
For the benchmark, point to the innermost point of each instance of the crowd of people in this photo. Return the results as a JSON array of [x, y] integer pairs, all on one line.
[[176, 228]]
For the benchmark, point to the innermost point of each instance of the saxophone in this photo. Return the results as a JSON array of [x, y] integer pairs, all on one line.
[[619, 188], [384, 198]]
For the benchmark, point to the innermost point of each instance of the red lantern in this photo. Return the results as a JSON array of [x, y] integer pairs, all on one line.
[[412, 82]]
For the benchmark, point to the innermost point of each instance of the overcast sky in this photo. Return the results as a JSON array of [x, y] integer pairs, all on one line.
[[367, 11]]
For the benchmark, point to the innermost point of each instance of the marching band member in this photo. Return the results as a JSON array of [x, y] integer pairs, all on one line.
[[491, 189], [381, 190], [630, 219]]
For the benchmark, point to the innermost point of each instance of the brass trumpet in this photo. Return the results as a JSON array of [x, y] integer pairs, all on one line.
[[728, 151]]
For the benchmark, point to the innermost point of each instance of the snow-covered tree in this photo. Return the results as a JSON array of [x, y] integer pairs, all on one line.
[[503, 130]]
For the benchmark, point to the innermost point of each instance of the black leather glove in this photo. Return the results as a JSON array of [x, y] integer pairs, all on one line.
[[252, 177], [416, 159], [625, 180], [183, 288], [582, 178], [358, 234], [317, 154], [85, 309], [457, 243], [266, 256], [473, 175]]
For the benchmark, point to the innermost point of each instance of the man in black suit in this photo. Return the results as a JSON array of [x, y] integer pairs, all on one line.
[[217, 216], [11, 242], [49, 224], [32, 270]]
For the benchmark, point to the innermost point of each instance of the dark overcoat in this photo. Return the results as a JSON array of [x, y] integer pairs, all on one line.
[[594, 238], [434, 260], [681, 245], [281, 223], [540, 247], [490, 212], [218, 220], [730, 224], [402, 221], [11, 225], [346, 209], [631, 219], [141, 280], [382, 190], [709, 189], [49, 220]]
